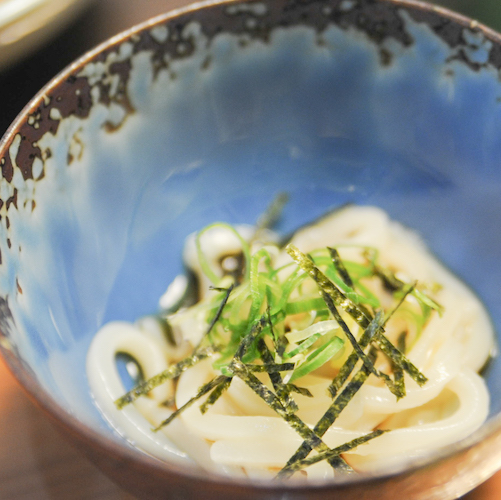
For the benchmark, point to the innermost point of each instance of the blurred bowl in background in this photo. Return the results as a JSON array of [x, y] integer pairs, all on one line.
[[205, 114], [26, 25]]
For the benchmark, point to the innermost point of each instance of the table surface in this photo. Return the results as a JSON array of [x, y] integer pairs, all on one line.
[[35, 461]]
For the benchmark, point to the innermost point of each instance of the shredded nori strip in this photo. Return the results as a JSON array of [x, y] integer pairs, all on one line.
[[172, 372], [206, 388], [339, 299], [299, 390], [329, 416], [283, 392], [376, 325], [398, 389], [350, 363], [402, 342], [251, 337], [356, 346], [340, 268], [389, 280], [329, 288], [334, 452], [272, 214], [216, 317], [271, 368], [310, 438], [398, 372], [344, 398], [215, 394], [398, 358]]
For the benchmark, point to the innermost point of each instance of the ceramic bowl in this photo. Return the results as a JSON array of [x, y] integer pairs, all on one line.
[[205, 114]]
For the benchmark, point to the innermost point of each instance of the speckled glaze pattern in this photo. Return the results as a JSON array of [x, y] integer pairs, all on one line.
[[205, 114]]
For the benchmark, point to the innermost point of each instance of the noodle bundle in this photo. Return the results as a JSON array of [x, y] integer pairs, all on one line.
[[352, 348]]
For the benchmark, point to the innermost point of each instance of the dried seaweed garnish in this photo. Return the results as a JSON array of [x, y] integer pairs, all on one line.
[[345, 397], [340, 268], [282, 391], [240, 370], [332, 453], [248, 340], [398, 372], [271, 367], [243, 345], [216, 394], [206, 388], [217, 316], [339, 299], [299, 390], [313, 441], [329, 416], [327, 287], [402, 342], [399, 359], [396, 388], [273, 212], [351, 308], [350, 363], [377, 324], [172, 372], [356, 346]]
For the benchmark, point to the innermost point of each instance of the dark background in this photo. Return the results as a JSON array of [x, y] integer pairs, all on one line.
[[35, 462]]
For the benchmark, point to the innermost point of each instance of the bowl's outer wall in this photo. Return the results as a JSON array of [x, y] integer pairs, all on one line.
[[206, 116]]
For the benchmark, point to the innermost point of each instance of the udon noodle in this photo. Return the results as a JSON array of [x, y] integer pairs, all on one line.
[[429, 314]]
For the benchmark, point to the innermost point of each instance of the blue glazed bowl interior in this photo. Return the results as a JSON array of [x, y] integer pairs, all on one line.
[[328, 115]]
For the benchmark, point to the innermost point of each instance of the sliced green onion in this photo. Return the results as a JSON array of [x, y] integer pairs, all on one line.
[[318, 358], [301, 306], [322, 327], [302, 347], [428, 301]]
